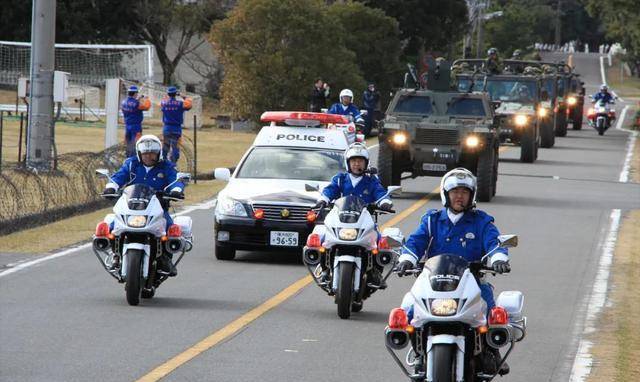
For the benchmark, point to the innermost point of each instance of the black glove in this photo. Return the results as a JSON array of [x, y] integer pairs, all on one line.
[[320, 204], [176, 194], [403, 267], [109, 191], [387, 207], [501, 267]]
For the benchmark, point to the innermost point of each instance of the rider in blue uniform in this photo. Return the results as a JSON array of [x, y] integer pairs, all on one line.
[[148, 168], [346, 107], [603, 94]]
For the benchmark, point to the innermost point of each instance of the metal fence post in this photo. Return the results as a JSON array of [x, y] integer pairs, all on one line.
[[1, 130], [20, 138], [195, 150]]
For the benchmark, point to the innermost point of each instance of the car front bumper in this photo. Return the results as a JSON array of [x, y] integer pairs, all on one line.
[[251, 234]]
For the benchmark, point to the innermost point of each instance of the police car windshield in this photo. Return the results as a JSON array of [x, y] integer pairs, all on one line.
[[466, 107], [511, 90], [291, 163], [413, 104]]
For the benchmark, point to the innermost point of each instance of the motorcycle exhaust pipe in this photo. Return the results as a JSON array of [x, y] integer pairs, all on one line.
[[498, 337], [383, 258], [101, 243], [174, 245], [396, 339], [311, 257]]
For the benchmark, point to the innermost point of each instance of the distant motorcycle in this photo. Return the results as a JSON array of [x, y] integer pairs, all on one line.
[[347, 245], [129, 242], [601, 115], [451, 337]]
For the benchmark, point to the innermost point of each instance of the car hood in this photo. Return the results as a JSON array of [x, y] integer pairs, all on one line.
[[272, 191]]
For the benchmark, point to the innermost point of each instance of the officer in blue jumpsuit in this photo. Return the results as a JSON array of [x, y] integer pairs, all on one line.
[[147, 167], [172, 119], [346, 107], [357, 182], [132, 109], [603, 95]]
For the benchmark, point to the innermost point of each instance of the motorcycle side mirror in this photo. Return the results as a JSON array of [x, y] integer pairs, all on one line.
[[364, 112], [508, 241], [184, 176], [102, 171], [223, 174], [394, 236], [394, 190], [311, 188]]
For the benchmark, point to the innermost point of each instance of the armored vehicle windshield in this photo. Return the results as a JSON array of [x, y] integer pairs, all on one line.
[[414, 104], [512, 90]]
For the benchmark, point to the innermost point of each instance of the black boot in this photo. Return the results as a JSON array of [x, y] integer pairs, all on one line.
[[166, 266], [377, 279]]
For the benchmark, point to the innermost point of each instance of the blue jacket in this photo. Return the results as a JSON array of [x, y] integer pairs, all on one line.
[[132, 113], [352, 110], [160, 176], [606, 97], [173, 114], [471, 237], [369, 188]]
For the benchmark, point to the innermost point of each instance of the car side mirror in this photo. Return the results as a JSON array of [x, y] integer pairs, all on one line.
[[508, 241], [223, 174]]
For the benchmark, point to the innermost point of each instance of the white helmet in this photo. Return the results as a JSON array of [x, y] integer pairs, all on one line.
[[356, 150], [458, 177], [346, 93], [604, 88], [148, 144]]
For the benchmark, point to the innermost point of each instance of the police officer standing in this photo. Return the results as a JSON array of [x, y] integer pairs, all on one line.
[[132, 109], [371, 98], [172, 119]]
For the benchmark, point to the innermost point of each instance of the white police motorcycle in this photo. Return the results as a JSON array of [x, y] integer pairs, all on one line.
[[601, 115], [451, 337], [131, 249], [347, 245]]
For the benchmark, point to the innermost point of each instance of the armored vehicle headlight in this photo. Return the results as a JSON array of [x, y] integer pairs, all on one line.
[[572, 101], [348, 233], [542, 112], [136, 221], [472, 141], [399, 138], [444, 307], [521, 120]]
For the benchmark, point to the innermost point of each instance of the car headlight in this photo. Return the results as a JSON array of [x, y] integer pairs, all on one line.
[[521, 120], [348, 233], [230, 207], [572, 101], [136, 221], [542, 112], [472, 141], [444, 307]]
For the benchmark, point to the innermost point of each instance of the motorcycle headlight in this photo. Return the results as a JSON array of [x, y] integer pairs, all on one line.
[[228, 206], [136, 221], [521, 120], [542, 112], [572, 101], [444, 307], [348, 233]]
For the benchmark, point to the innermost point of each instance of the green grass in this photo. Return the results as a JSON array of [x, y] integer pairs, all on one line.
[[620, 82]]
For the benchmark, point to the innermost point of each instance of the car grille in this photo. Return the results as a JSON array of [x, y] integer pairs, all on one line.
[[297, 214], [436, 137]]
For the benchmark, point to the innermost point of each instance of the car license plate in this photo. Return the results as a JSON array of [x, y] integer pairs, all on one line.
[[434, 167], [284, 239]]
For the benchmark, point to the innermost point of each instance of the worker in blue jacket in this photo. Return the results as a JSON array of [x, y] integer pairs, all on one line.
[[132, 109], [172, 119], [346, 106], [148, 168]]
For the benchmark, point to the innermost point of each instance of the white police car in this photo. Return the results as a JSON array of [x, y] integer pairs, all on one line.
[[267, 203]]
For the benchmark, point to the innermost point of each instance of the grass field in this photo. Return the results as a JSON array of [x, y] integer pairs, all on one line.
[[620, 82]]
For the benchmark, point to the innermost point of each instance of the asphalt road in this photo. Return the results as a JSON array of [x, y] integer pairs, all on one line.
[[67, 320]]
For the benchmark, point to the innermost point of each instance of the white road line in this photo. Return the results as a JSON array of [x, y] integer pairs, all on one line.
[[604, 78], [624, 174], [69, 251], [584, 360]]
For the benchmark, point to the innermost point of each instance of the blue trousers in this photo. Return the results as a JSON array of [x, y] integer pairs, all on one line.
[[170, 141]]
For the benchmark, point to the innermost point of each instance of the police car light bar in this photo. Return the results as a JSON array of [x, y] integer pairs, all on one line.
[[302, 118]]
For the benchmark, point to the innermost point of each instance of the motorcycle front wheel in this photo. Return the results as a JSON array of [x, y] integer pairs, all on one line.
[[345, 289], [601, 127], [133, 284], [444, 362]]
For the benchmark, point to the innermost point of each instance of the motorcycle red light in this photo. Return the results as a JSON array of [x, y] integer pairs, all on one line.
[[102, 229], [311, 216], [174, 231], [398, 319], [258, 214], [498, 316], [591, 112], [383, 243], [313, 241]]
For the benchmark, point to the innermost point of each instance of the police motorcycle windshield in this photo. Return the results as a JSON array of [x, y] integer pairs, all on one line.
[[445, 271], [349, 208], [138, 196]]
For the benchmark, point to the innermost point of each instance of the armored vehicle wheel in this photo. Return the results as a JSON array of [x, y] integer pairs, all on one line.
[[495, 171], [577, 119], [547, 135], [485, 174], [389, 170], [561, 123], [528, 145]]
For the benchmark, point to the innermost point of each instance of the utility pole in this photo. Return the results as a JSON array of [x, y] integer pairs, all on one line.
[[43, 29], [480, 29], [558, 39]]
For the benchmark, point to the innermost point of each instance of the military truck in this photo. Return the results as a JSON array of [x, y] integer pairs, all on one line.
[[429, 131], [575, 100], [517, 96]]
